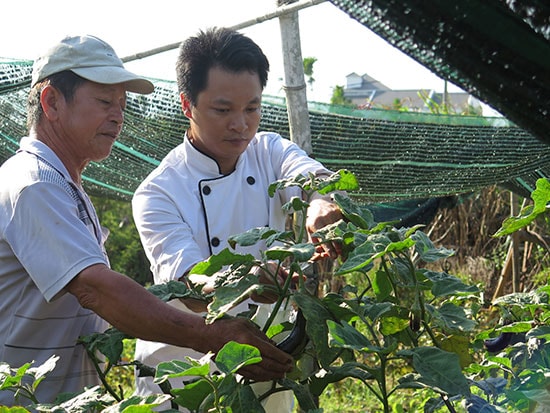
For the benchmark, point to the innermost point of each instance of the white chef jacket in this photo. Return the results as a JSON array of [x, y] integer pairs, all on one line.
[[186, 209]]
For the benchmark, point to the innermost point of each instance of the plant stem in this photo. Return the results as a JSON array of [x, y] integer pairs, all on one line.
[[448, 403], [102, 376], [278, 303], [382, 385]]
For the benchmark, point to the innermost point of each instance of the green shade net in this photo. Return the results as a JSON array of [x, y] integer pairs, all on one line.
[[496, 50], [395, 155]]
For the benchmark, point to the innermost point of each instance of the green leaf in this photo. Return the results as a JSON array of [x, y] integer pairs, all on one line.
[[170, 290], [517, 327], [341, 180], [374, 247], [381, 285], [299, 252], [216, 262], [108, 343], [89, 400], [444, 284], [359, 215], [393, 324], [377, 310], [335, 374], [179, 368], [340, 309], [14, 409], [541, 198], [523, 300], [234, 356], [192, 395], [303, 395], [137, 404], [344, 335], [46, 367], [438, 369], [7, 379], [452, 317], [316, 315], [295, 204], [458, 344], [228, 297], [500, 361], [299, 180], [427, 250], [250, 237], [241, 399], [540, 332]]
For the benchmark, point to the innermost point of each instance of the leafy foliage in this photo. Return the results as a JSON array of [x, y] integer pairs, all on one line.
[[402, 318]]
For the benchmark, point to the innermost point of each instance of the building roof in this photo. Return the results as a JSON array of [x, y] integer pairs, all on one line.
[[365, 91]]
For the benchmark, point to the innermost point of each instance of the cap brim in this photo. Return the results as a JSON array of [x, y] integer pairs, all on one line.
[[111, 75]]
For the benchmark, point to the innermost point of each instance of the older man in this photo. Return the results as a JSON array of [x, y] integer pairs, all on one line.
[[55, 280]]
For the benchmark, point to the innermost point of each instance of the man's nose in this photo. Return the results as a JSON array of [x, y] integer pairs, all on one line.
[[239, 122], [117, 114]]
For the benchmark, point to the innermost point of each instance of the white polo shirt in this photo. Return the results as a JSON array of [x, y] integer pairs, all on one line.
[[49, 232]]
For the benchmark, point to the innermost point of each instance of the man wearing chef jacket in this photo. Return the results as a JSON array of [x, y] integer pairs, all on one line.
[[215, 183]]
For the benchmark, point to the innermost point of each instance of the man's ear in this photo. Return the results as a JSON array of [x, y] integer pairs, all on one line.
[[186, 106], [50, 98]]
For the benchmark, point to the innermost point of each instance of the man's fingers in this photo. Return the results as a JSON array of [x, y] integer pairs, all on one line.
[[258, 372]]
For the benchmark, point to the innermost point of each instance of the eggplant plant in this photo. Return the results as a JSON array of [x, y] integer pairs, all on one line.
[[404, 316], [395, 313]]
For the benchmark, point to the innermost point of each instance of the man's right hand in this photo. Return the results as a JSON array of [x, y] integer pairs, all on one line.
[[275, 363]]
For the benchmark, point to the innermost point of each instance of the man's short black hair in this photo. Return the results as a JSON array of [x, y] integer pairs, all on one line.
[[217, 47]]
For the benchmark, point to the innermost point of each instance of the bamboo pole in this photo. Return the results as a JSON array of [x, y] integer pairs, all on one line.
[[510, 268], [294, 81], [291, 8], [515, 245]]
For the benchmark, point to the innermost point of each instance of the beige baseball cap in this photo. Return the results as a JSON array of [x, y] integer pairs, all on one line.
[[90, 58]]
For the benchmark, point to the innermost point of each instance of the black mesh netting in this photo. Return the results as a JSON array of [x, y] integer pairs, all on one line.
[[497, 50]]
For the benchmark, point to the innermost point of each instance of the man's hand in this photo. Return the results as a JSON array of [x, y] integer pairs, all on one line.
[[140, 314], [322, 212], [275, 363]]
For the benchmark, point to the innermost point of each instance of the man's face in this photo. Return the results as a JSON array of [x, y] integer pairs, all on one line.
[[226, 117], [92, 121]]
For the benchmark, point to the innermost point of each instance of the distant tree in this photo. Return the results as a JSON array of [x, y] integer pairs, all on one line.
[[308, 69], [124, 249], [338, 97]]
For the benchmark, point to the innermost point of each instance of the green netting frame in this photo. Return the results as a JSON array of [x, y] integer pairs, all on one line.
[[395, 155]]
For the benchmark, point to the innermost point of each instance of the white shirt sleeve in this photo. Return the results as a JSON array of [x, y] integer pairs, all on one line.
[[166, 237], [49, 239]]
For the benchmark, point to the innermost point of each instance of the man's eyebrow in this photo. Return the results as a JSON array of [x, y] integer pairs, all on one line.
[[224, 101], [221, 101]]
